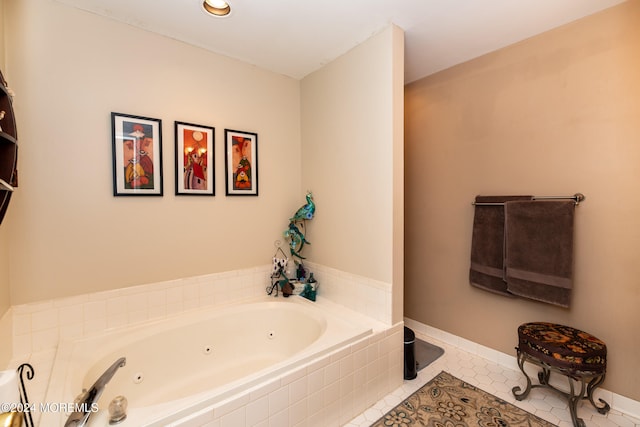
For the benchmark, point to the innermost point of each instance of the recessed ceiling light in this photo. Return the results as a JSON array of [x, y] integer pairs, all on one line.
[[217, 7]]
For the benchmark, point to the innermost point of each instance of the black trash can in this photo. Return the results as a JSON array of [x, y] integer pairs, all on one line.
[[410, 368]]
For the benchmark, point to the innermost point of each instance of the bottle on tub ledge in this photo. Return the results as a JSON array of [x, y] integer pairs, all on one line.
[[310, 288]]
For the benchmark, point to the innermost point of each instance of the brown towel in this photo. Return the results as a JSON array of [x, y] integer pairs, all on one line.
[[539, 250], [487, 244]]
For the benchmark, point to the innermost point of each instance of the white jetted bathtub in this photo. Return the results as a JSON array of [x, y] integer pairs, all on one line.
[[183, 364]]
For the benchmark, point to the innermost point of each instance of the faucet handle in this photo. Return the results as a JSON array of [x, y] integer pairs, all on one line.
[[117, 410]]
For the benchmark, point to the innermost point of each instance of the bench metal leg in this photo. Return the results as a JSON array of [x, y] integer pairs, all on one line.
[[588, 383]]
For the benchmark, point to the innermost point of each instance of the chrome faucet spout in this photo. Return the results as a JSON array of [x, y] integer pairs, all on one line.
[[88, 398], [109, 373]]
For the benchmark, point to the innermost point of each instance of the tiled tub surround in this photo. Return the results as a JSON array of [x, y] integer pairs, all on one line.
[[366, 369], [197, 360], [39, 326], [367, 296], [326, 393]]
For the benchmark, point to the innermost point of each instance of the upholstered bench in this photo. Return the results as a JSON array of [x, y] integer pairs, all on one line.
[[577, 355]]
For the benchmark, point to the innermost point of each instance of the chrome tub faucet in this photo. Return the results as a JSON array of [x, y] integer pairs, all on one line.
[[88, 398]]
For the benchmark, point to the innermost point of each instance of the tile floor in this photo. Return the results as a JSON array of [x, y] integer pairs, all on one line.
[[497, 380]]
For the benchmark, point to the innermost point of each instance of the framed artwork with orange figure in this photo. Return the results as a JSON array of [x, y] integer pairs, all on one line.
[[195, 159], [241, 163], [137, 155]]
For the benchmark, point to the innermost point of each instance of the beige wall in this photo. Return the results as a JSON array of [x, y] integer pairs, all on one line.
[[350, 137], [2, 19], [68, 234], [553, 115], [397, 103]]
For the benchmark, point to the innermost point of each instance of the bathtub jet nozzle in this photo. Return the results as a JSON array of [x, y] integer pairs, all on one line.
[[88, 399]]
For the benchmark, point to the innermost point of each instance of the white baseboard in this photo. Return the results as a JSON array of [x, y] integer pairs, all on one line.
[[618, 402]]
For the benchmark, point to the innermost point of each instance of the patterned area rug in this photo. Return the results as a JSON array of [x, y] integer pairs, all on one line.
[[447, 401]]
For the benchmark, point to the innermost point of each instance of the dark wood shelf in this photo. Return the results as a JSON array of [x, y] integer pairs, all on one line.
[[5, 138], [8, 148], [5, 186]]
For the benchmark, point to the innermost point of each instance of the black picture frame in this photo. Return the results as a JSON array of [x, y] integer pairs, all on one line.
[[195, 159], [137, 155], [241, 163]]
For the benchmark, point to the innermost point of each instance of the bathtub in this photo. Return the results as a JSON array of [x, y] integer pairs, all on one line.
[[183, 364]]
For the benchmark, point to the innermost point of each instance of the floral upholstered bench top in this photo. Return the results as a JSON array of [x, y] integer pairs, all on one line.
[[563, 347]]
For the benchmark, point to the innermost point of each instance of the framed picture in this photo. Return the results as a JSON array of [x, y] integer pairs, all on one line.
[[241, 163], [137, 155], [195, 159]]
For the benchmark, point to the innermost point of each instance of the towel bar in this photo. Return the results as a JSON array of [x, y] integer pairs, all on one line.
[[578, 197]]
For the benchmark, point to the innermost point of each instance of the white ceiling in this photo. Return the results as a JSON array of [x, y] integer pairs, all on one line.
[[296, 37]]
